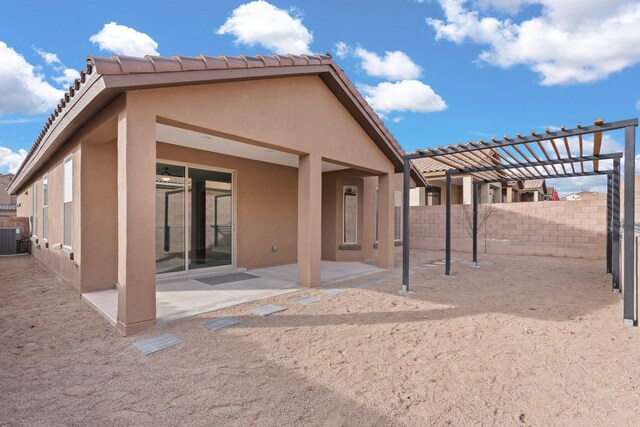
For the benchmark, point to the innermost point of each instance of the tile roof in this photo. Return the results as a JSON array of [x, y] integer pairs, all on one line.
[[532, 184], [429, 164], [121, 64]]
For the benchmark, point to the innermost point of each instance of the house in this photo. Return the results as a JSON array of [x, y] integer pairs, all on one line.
[[7, 201], [583, 195], [461, 187], [179, 165], [533, 190]]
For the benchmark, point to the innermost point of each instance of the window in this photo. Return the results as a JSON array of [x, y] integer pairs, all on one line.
[[377, 219], [397, 217], [433, 195], [350, 214], [68, 201], [34, 220], [45, 205]]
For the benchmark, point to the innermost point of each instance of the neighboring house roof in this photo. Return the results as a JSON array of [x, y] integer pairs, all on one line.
[[533, 184], [429, 164], [106, 78]]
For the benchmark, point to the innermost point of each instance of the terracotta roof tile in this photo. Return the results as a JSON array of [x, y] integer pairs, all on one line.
[[163, 64], [429, 164], [191, 63], [532, 184]]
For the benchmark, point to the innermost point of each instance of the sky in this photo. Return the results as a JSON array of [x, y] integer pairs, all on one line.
[[438, 72]]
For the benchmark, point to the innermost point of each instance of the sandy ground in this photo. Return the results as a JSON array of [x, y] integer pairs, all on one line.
[[517, 341]]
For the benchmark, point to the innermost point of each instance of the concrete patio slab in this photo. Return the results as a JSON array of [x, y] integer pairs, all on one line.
[[189, 296]]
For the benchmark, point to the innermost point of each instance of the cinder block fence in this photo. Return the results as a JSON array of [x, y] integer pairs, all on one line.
[[574, 229]]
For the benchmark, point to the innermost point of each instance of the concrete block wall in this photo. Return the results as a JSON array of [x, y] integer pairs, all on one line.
[[574, 229]]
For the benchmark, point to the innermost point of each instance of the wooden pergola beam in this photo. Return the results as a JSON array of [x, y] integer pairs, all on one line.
[[597, 143]]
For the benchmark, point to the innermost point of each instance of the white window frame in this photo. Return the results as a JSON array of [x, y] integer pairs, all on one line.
[[45, 206], [344, 237], [397, 204], [34, 210], [67, 197]]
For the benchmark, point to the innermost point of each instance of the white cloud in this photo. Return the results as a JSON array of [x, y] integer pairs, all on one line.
[[48, 57], [406, 95], [24, 90], [261, 23], [569, 42], [342, 50], [123, 40], [592, 183], [10, 160], [394, 65], [68, 77], [638, 105]]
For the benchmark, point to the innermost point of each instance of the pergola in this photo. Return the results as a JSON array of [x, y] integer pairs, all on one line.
[[537, 156]]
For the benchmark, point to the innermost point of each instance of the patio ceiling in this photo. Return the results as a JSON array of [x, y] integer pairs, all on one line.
[[202, 141]]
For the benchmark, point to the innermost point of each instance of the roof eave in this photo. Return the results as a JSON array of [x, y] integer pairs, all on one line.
[[81, 108]]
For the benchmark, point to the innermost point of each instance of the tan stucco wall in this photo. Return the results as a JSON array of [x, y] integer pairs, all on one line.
[[299, 114], [56, 259], [99, 211]]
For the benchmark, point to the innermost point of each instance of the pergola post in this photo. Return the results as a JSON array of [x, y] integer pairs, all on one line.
[[615, 227], [475, 223], [447, 270], [629, 225], [609, 218], [406, 184]]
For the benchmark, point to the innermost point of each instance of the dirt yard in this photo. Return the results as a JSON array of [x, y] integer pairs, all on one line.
[[517, 341]]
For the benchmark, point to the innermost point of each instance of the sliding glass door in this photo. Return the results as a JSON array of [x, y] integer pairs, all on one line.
[[211, 226], [170, 224], [194, 210]]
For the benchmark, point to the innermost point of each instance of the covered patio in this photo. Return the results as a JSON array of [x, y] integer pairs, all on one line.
[[190, 296]]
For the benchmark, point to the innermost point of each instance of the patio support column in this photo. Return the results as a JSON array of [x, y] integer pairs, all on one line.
[[628, 264], [609, 219], [136, 218], [406, 184], [386, 202], [309, 219], [447, 268], [615, 223]]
